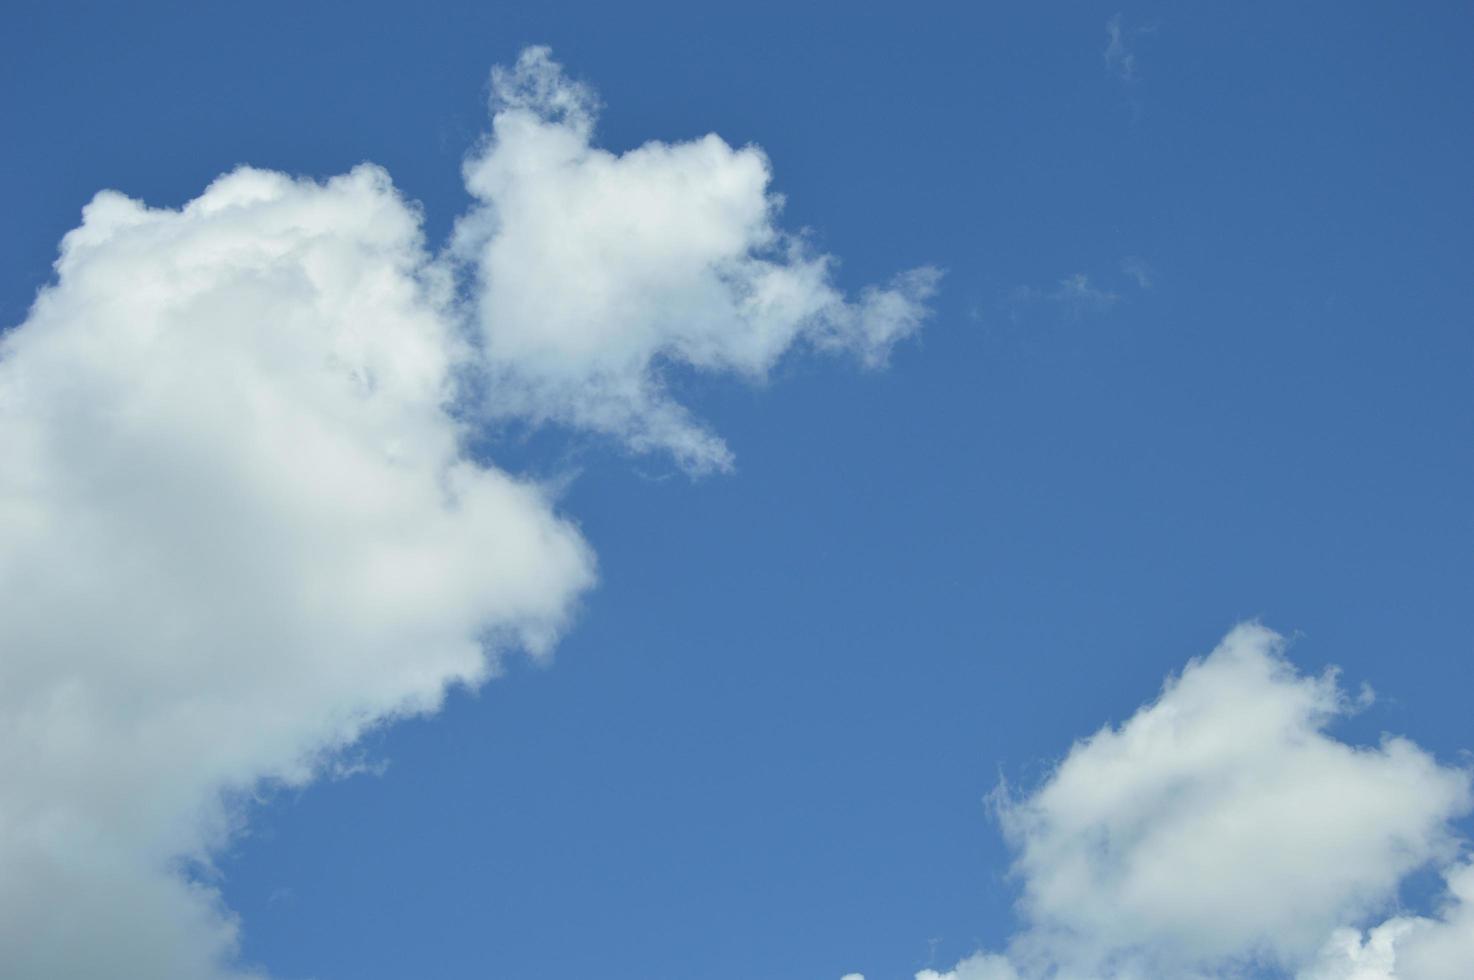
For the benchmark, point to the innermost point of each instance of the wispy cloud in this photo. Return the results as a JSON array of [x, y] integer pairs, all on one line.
[[1139, 270], [1119, 58], [1073, 296], [1120, 51], [1078, 295]]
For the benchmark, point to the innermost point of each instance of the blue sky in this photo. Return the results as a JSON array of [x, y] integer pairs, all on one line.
[[1201, 354]]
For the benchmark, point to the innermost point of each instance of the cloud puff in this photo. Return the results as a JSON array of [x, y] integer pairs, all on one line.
[[237, 522], [596, 271], [1220, 827]]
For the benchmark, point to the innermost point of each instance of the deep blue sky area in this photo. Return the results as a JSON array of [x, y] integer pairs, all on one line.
[[764, 749]]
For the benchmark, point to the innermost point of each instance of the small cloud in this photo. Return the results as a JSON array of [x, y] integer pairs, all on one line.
[[341, 769], [1075, 295], [676, 262], [1079, 296], [1135, 853], [1138, 269], [1120, 58]]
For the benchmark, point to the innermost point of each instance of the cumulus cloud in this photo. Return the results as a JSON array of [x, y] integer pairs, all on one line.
[[235, 529], [237, 522], [1221, 828], [596, 272]]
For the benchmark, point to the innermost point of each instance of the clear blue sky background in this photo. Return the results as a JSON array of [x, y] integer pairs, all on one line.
[[764, 750]]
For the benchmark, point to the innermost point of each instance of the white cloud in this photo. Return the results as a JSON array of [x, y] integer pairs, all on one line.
[[1139, 270], [1120, 60], [237, 526], [596, 271], [1077, 295], [1074, 295], [235, 530], [979, 966], [1222, 827]]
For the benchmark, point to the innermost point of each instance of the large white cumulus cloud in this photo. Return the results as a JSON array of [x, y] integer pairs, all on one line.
[[237, 525], [1221, 830], [596, 270], [235, 528]]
